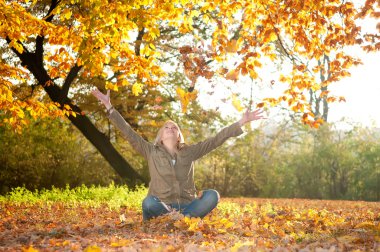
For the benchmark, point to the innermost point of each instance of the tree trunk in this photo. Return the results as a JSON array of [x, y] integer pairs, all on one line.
[[315, 102], [226, 181], [104, 146]]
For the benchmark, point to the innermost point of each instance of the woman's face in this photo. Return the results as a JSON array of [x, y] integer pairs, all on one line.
[[170, 131]]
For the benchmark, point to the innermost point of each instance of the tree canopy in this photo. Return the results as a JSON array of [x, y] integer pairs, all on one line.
[[124, 44]]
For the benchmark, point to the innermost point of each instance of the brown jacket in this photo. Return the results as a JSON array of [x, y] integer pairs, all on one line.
[[172, 178]]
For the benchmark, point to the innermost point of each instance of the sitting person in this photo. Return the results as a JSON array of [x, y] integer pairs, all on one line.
[[171, 164]]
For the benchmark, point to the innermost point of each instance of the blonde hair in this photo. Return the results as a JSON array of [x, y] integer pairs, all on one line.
[[181, 140]]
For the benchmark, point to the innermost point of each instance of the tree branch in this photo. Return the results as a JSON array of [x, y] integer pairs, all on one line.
[[49, 16], [139, 41], [25, 50], [69, 79], [39, 50]]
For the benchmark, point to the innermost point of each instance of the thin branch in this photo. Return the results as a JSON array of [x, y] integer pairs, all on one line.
[[68, 81], [49, 16], [167, 58], [280, 41]]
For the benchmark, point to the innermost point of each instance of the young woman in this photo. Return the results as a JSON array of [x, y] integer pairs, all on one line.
[[171, 164]]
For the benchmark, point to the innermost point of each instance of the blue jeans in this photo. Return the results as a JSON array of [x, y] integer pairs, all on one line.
[[152, 206]]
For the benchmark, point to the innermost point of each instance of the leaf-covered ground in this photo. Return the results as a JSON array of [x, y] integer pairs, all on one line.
[[236, 225]]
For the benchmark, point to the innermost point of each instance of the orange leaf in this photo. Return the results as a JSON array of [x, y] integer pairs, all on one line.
[[232, 75]]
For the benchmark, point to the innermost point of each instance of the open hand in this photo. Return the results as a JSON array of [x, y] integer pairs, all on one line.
[[249, 116], [103, 98]]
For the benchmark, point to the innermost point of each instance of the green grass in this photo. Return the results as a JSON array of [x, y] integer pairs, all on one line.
[[111, 196]]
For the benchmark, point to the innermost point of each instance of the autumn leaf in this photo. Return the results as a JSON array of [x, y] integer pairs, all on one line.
[[232, 46], [66, 14], [137, 89], [92, 248], [236, 103], [29, 249], [232, 75], [186, 97], [17, 46], [121, 243]]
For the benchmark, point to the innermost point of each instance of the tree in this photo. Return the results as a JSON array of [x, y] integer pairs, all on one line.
[[62, 46]]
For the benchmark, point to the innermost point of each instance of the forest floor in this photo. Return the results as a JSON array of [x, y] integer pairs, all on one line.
[[238, 224]]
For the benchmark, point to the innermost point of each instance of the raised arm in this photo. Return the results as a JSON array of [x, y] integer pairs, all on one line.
[[137, 142], [200, 149]]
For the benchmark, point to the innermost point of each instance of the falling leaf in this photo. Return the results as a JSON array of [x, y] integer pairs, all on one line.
[[232, 46], [236, 103], [186, 98], [232, 75]]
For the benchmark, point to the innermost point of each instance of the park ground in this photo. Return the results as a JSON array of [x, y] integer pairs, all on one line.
[[238, 224]]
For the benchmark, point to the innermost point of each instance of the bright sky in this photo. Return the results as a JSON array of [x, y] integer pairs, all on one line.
[[361, 91]]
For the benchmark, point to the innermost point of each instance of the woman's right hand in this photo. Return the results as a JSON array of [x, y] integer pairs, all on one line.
[[103, 98]]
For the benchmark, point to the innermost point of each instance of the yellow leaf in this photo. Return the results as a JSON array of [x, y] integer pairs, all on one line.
[[114, 54], [111, 86], [137, 89], [20, 114], [66, 14], [366, 225], [121, 243], [222, 231], [29, 249], [236, 103], [65, 243], [9, 96], [238, 246], [232, 46], [232, 75], [248, 234], [186, 97], [92, 248], [16, 46]]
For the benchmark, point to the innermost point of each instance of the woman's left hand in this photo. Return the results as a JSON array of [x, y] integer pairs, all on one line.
[[249, 116]]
